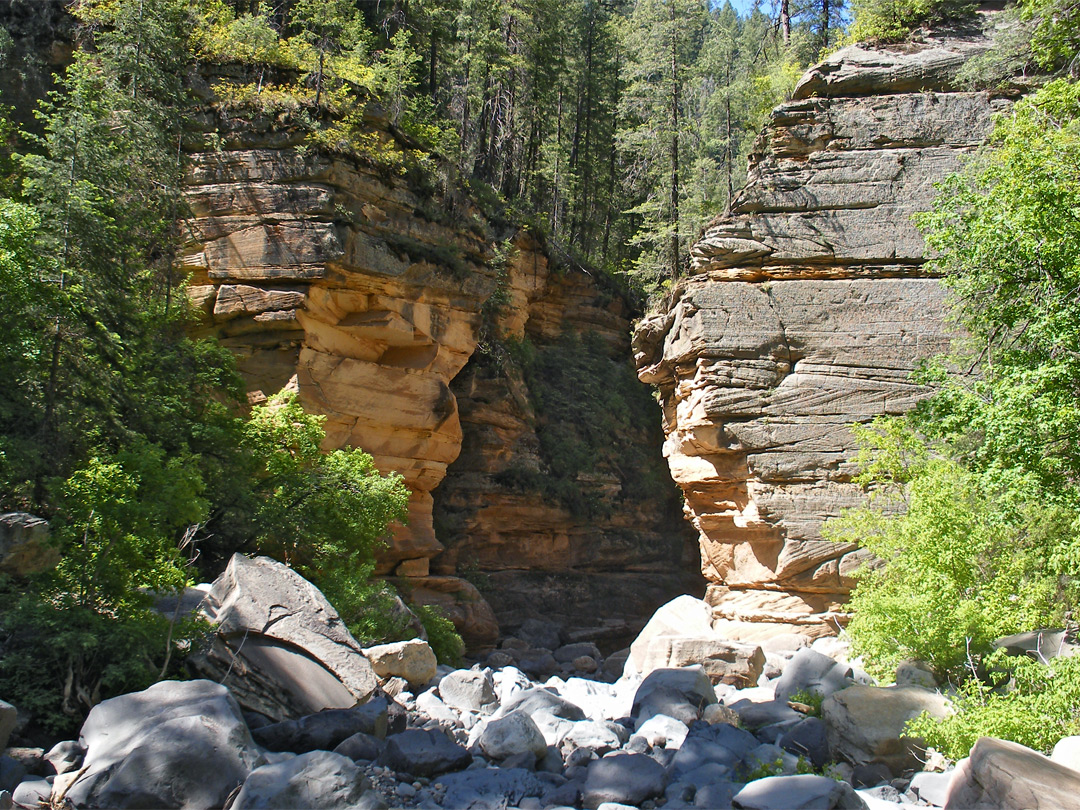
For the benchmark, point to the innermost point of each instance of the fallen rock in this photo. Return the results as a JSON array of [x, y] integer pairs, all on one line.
[[569, 652], [724, 661], [315, 780], [807, 738], [12, 772], [538, 700], [812, 673], [178, 744], [468, 690], [624, 779], [932, 788], [66, 756], [412, 660], [512, 734], [24, 544], [360, 746], [1042, 645], [280, 646], [481, 789], [1002, 775], [1067, 752], [866, 723], [593, 736], [680, 693], [915, 673], [663, 731], [718, 745], [325, 730], [35, 792], [540, 634], [802, 792], [423, 753]]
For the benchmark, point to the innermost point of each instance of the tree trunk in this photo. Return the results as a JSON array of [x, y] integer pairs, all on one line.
[[785, 21], [674, 222]]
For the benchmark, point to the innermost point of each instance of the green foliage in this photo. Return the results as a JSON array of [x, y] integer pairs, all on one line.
[[959, 568], [1034, 704], [443, 638], [583, 401], [811, 698], [895, 20]]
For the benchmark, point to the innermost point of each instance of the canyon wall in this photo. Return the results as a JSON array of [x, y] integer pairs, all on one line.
[[357, 285], [805, 310]]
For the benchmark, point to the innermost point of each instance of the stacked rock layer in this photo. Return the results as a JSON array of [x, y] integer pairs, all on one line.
[[368, 294], [806, 310]]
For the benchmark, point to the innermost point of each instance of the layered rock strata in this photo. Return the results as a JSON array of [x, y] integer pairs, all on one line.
[[368, 294], [806, 310]]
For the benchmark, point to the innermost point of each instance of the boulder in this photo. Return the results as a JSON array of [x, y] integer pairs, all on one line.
[[755, 716], [724, 661], [279, 645], [866, 723], [468, 690], [423, 753], [1067, 752], [360, 746], [34, 792], [512, 734], [662, 731], [915, 673], [597, 737], [540, 634], [812, 673], [481, 789], [802, 792], [538, 700], [325, 730], [412, 660], [680, 693], [315, 780], [1002, 775], [932, 788], [715, 714], [178, 744], [569, 652], [12, 772], [624, 779], [24, 544], [718, 745], [1042, 645], [807, 738]]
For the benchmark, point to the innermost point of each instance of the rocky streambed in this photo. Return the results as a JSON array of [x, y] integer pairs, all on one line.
[[683, 719]]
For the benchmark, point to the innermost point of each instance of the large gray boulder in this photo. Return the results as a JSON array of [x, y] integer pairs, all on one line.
[[865, 724], [318, 780], [624, 779], [468, 690], [680, 693], [802, 792], [280, 646], [326, 730], [423, 753], [512, 734], [178, 744], [811, 672], [1003, 775]]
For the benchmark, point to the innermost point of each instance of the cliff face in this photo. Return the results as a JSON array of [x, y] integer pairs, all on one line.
[[805, 311], [369, 295]]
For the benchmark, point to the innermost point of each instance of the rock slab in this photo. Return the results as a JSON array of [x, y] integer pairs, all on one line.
[[1003, 775]]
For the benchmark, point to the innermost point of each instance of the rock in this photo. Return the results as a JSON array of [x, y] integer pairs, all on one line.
[[770, 759], [1042, 645], [724, 661], [540, 634], [429, 704], [716, 794], [499, 659], [1002, 775], [866, 723], [318, 779], [569, 652], [807, 738], [512, 734], [768, 713], [539, 664], [510, 682], [663, 731], [32, 793], [24, 545], [804, 312], [683, 615], [623, 778], [12, 772], [585, 663], [9, 716], [423, 753], [796, 793], [679, 693], [537, 700], [325, 730], [870, 774], [812, 673], [468, 690], [786, 643], [715, 714], [722, 745], [932, 788], [279, 645], [490, 789], [615, 663], [412, 660], [1067, 752], [360, 746], [593, 736], [152, 748], [915, 673]]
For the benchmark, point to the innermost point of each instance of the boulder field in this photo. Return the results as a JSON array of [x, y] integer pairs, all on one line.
[[662, 724]]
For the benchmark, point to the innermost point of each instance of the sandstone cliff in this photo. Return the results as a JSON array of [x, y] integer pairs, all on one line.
[[368, 293], [806, 310]]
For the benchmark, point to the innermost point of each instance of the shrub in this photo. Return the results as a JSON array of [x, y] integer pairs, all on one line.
[[443, 638], [1032, 703], [894, 20]]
